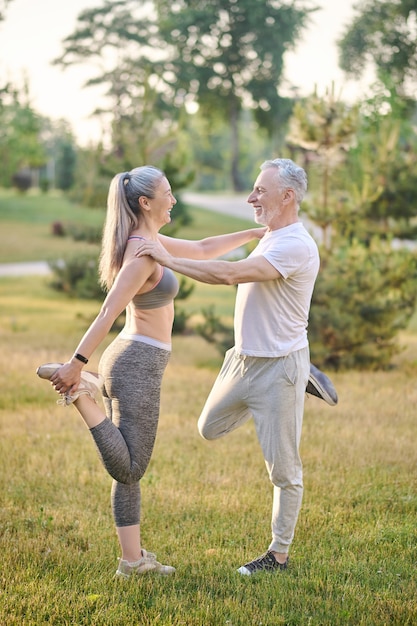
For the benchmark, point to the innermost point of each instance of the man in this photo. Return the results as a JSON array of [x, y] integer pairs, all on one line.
[[264, 376]]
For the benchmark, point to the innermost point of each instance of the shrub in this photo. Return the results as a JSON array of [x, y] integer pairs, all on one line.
[[181, 317], [364, 296], [89, 234], [22, 180], [77, 276], [214, 331], [58, 229]]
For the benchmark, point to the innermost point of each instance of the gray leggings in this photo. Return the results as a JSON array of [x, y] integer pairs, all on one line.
[[132, 373]]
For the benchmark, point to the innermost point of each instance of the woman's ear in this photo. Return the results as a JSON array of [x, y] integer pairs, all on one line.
[[143, 203]]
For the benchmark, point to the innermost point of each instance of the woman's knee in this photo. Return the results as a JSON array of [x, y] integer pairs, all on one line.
[[128, 477], [124, 479]]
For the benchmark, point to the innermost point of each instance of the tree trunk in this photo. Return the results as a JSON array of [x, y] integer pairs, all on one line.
[[234, 127]]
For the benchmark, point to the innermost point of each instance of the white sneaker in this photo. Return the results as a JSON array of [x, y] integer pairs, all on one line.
[[91, 385], [47, 370], [147, 563]]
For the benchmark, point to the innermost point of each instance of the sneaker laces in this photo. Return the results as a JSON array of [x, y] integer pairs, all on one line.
[[90, 385]]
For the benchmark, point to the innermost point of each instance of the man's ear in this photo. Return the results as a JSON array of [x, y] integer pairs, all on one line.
[[289, 195]]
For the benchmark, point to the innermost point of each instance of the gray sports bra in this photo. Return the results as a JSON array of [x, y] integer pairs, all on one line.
[[161, 293]]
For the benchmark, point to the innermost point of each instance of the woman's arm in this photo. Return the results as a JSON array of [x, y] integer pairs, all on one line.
[[130, 279], [210, 247]]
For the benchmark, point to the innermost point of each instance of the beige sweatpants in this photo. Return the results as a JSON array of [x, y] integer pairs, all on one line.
[[272, 392]]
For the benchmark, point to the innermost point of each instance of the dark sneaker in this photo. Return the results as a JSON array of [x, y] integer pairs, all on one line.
[[321, 386], [265, 563]]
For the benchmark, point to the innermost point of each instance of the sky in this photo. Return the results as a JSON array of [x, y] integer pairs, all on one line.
[[31, 37]]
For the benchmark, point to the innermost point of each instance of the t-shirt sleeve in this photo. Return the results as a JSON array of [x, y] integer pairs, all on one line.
[[287, 256]]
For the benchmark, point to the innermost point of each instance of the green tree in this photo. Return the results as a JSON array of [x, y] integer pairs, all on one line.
[[143, 125], [324, 127], [382, 169], [225, 54], [366, 291], [61, 149], [157, 58], [20, 135], [382, 35], [65, 164], [364, 295], [120, 39]]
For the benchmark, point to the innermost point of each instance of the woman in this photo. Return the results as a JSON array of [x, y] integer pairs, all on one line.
[[131, 368]]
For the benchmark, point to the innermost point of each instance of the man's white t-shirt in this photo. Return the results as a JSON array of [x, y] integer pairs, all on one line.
[[271, 317]]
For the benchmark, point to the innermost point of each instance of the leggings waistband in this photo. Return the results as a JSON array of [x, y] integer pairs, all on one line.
[[144, 339]]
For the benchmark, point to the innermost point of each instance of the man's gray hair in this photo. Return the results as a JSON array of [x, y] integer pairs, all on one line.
[[289, 176]]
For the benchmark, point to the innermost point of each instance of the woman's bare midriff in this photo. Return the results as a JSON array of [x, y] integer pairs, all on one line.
[[154, 323]]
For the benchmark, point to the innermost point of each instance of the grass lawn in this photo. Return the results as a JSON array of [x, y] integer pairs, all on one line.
[[206, 505]]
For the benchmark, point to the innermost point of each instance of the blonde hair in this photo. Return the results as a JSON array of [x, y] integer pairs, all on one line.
[[122, 217]]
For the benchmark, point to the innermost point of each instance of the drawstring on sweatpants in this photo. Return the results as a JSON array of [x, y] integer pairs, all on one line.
[[243, 367]]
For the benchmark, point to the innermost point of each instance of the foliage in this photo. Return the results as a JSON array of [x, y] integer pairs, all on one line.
[[20, 144], [181, 316], [94, 173], [180, 175], [383, 171], [216, 55], [83, 232], [209, 141], [215, 331], [65, 164], [324, 127], [22, 180], [91, 182], [363, 167], [383, 34], [61, 149], [77, 277], [363, 297], [143, 125], [225, 53]]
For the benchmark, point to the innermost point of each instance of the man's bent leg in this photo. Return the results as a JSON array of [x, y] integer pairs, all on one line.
[[226, 406]]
